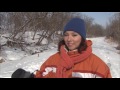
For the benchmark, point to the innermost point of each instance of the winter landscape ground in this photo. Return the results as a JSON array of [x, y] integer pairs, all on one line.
[[18, 59]]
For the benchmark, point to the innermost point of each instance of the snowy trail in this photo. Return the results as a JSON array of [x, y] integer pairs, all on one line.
[[108, 53]]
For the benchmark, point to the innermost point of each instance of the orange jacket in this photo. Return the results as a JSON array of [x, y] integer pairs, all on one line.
[[64, 64]]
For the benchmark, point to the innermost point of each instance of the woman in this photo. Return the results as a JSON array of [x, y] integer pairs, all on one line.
[[75, 58]]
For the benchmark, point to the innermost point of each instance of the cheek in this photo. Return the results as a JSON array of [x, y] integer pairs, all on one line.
[[65, 39], [78, 41]]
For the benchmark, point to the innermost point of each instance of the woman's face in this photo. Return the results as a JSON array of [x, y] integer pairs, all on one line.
[[72, 40]]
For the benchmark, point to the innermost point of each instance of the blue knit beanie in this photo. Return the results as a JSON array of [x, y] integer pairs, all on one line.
[[77, 25]]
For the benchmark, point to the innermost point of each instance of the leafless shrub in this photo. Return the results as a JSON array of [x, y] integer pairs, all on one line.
[[113, 28]]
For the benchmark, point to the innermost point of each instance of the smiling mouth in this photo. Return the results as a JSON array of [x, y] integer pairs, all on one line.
[[70, 45]]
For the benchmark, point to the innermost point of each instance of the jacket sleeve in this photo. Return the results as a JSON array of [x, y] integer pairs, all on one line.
[[101, 68], [108, 74], [105, 71], [39, 73]]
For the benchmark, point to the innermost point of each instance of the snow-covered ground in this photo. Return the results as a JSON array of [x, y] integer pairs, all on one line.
[[107, 52], [19, 59]]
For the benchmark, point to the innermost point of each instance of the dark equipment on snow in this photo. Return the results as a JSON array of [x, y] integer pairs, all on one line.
[[21, 73]]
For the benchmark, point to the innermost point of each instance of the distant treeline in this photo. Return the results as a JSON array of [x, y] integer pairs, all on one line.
[[52, 22]]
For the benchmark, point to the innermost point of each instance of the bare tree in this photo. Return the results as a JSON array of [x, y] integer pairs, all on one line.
[[113, 28]]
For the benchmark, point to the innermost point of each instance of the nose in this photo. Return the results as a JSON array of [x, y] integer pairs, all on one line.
[[69, 38]]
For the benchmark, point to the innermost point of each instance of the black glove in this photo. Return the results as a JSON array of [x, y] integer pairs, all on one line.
[[21, 73]]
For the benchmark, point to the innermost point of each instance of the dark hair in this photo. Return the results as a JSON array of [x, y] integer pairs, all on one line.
[[82, 46]]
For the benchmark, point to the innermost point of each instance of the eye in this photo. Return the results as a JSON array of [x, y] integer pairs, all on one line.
[[65, 34], [74, 35]]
